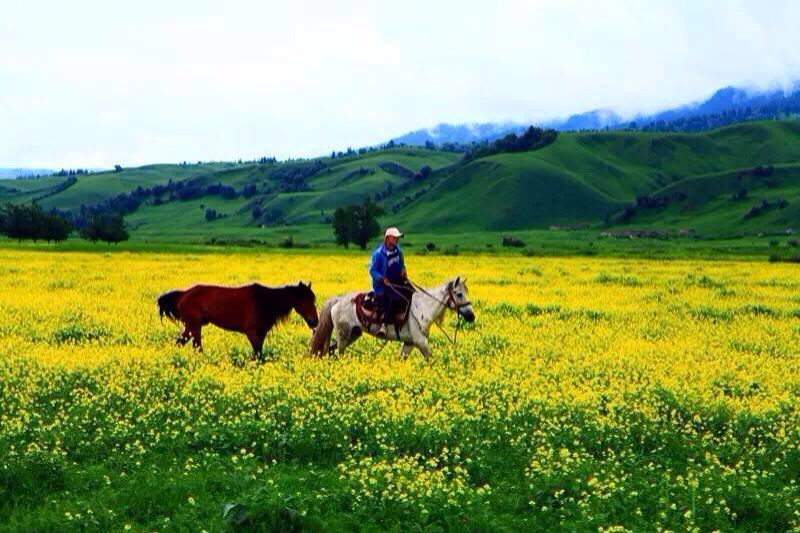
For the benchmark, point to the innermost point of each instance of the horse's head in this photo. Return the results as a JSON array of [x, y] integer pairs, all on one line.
[[305, 304], [459, 296]]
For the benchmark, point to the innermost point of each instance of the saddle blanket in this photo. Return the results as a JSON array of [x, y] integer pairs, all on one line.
[[370, 312]]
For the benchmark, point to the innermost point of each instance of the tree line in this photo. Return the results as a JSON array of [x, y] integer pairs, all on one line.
[[531, 139], [31, 222]]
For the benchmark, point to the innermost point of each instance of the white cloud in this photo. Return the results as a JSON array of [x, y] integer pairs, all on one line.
[[91, 83]]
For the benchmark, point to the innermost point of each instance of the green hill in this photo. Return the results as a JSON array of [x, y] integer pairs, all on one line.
[[681, 180], [582, 177], [711, 203]]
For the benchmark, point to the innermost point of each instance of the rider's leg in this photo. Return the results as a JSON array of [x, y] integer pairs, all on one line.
[[386, 304]]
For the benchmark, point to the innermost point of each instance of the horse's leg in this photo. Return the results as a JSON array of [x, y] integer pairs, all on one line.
[[405, 349], [344, 335], [422, 346], [342, 339], [355, 334], [197, 340], [341, 329], [256, 338], [183, 338]]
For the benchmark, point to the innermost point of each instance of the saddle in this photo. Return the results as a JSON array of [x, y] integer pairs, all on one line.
[[369, 310]]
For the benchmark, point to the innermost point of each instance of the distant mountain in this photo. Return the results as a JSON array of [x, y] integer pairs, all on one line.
[[459, 133], [726, 106], [489, 131], [590, 120], [10, 173]]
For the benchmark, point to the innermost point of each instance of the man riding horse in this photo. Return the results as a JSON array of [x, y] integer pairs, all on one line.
[[389, 278], [345, 316]]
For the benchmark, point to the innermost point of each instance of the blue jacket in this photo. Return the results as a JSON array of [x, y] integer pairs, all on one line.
[[380, 267]]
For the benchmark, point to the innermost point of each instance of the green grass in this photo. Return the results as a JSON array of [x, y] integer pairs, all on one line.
[[508, 191], [219, 237], [580, 178], [263, 474], [94, 188], [709, 208]]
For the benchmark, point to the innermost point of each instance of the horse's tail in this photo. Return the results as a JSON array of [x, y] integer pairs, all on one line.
[[168, 305], [321, 338]]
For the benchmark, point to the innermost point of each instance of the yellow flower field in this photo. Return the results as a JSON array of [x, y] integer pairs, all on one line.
[[590, 393]]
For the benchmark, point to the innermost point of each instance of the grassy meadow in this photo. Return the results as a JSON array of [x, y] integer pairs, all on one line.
[[580, 179], [592, 393]]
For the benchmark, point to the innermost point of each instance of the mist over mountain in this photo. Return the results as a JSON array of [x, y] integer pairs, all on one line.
[[460, 133], [727, 105], [590, 120], [11, 173]]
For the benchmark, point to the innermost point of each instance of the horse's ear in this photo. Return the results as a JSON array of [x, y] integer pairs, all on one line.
[[457, 280], [309, 284]]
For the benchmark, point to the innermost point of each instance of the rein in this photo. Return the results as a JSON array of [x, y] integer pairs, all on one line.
[[449, 304]]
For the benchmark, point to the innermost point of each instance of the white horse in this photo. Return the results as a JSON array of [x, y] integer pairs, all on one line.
[[427, 306]]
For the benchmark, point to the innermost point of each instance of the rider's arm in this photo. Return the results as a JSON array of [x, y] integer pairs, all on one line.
[[376, 268], [402, 262]]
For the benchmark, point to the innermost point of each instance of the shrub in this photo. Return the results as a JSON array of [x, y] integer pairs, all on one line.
[[249, 190], [227, 192], [762, 170], [741, 194], [512, 242], [423, 173], [450, 251]]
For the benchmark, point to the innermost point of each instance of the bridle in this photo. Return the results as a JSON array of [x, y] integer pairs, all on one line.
[[450, 303]]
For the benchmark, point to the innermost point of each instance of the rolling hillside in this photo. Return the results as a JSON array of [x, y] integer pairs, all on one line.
[[584, 177]]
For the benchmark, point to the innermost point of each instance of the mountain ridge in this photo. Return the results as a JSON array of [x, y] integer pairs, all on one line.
[[736, 104], [598, 178]]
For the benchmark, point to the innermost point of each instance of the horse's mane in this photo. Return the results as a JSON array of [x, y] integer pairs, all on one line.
[[275, 302], [440, 319]]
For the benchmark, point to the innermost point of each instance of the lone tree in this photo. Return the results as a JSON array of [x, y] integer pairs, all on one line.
[[365, 224], [342, 225], [357, 223], [107, 227]]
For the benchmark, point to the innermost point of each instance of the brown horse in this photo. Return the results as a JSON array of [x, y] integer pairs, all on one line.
[[250, 309]]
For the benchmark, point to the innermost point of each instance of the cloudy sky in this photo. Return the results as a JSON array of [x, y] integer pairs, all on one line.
[[93, 83]]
